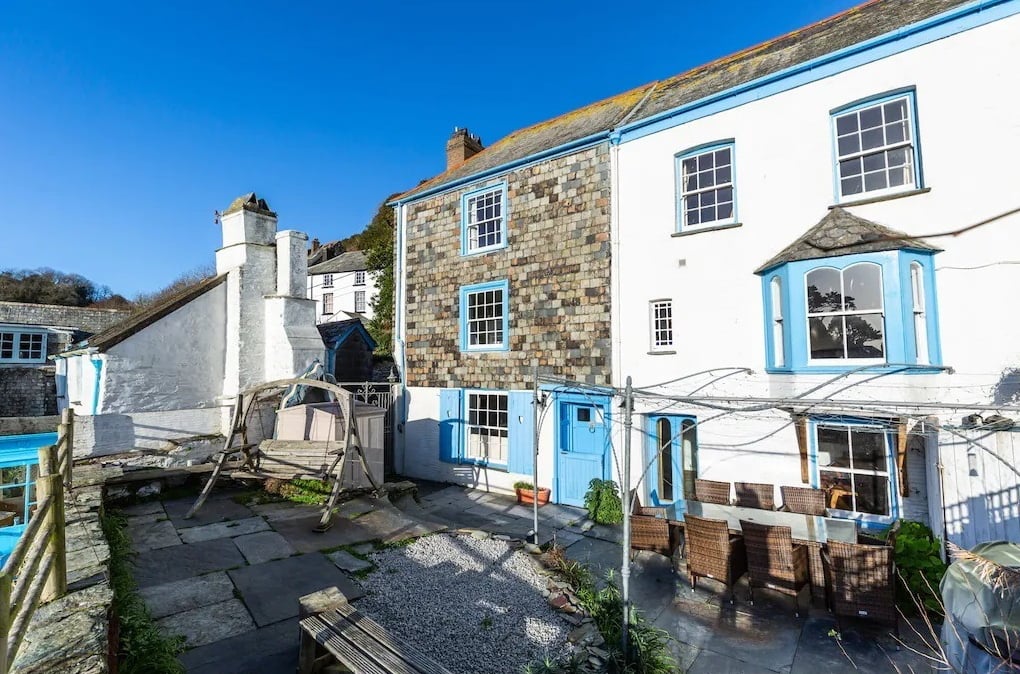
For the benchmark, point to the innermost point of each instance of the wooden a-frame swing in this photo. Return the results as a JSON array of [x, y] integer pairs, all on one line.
[[289, 459]]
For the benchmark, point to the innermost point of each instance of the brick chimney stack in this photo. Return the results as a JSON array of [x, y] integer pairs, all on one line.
[[462, 146]]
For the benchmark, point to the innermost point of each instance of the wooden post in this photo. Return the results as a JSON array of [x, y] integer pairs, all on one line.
[[50, 483], [5, 620], [67, 422]]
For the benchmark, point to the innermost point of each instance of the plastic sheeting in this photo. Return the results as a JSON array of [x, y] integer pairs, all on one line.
[[982, 628]]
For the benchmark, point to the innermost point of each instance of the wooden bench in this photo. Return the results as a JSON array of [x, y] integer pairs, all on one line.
[[334, 631]]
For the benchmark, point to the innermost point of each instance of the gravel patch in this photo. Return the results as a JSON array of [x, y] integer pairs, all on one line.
[[476, 606]]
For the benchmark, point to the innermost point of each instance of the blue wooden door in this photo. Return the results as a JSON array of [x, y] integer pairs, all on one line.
[[581, 454], [672, 458]]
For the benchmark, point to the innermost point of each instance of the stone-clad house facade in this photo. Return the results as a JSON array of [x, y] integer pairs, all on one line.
[[558, 295], [628, 237]]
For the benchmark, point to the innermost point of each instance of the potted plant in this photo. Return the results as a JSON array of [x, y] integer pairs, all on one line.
[[526, 493]]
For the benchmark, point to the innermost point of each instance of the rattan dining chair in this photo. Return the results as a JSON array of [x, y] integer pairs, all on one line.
[[804, 500], [774, 562], [861, 582], [712, 552], [710, 491], [755, 495], [650, 530]]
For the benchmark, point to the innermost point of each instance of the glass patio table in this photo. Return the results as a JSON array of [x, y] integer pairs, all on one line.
[[810, 530]]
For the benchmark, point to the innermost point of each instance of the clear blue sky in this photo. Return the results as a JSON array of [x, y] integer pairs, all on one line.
[[123, 126]]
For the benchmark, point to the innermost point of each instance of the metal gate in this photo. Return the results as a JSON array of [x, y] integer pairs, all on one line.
[[379, 394]]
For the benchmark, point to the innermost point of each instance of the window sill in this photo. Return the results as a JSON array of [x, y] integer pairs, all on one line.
[[702, 230], [882, 197], [482, 251], [483, 464], [662, 353], [499, 349], [833, 369]]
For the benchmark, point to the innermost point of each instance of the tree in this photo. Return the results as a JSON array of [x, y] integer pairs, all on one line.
[[377, 240], [179, 284], [47, 286]]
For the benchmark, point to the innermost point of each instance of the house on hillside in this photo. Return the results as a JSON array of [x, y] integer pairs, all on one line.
[[770, 285], [342, 287], [172, 371], [29, 335]]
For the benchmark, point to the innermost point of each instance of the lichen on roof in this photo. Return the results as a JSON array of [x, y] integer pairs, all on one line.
[[249, 202]]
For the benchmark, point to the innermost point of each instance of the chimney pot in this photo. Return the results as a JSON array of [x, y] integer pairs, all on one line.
[[315, 245], [461, 146]]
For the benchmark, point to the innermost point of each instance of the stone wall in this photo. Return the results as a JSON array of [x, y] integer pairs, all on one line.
[[27, 391], [81, 318], [557, 263]]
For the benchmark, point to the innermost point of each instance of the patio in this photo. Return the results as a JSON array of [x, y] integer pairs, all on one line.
[[229, 580]]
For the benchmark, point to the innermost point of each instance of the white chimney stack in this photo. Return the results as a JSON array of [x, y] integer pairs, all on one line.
[[291, 263]]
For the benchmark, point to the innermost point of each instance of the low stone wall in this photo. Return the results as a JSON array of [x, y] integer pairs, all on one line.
[[71, 635], [102, 434], [27, 391], [28, 425]]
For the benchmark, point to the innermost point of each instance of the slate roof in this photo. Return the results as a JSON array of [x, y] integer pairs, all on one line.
[[143, 318], [843, 233], [851, 27], [336, 333], [354, 260]]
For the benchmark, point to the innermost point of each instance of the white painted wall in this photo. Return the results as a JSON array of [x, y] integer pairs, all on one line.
[[421, 457], [343, 295], [969, 135]]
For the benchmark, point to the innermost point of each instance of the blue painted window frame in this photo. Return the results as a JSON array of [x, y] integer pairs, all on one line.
[[17, 333], [864, 520], [503, 285], [465, 402], [910, 93], [704, 148], [454, 429], [505, 211], [900, 342]]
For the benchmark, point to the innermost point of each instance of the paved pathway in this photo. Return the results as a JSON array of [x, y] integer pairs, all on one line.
[[711, 635], [229, 579]]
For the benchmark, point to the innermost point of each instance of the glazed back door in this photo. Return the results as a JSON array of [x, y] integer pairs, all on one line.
[[672, 458], [581, 455]]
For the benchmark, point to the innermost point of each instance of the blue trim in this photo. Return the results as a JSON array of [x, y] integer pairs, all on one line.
[[865, 521], [605, 402], [652, 457], [338, 341], [569, 147], [958, 20], [97, 362], [503, 285], [704, 148], [504, 217], [461, 455], [910, 93], [900, 342]]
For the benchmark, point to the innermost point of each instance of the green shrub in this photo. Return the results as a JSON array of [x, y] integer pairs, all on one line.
[[603, 502], [523, 484], [920, 566]]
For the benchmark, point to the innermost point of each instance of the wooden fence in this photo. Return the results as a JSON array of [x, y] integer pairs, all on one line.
[[36, 571]]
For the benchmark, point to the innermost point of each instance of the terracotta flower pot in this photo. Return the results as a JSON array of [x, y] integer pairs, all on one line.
[[528, 495]]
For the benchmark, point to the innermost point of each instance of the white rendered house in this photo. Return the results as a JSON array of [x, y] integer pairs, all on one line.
[[771, 227], [173, 370], [342, 287]]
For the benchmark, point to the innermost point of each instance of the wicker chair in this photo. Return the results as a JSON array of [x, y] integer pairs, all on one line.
[[712, 552], [650, 530], [755, 495], [861, 582], [803, 500], [774, 562], [710, 491]]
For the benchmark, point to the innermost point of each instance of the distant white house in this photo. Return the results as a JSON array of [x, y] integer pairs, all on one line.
[[342, 287]]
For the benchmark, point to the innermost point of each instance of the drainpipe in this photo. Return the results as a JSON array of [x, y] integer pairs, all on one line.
[[615, 295], [625, 498]]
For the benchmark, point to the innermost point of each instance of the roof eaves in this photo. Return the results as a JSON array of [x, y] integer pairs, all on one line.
[[149, 315]]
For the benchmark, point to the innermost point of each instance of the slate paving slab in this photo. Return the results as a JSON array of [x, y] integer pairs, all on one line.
[[268, 650], [219, 508], [271, 590], [183, 561], [147, 508], [264, 546], [208, 624], [208, 532], [709, 662], [386, 523], [284, 510], [345, 561], [147, 536], [869, 646], [186, 594]]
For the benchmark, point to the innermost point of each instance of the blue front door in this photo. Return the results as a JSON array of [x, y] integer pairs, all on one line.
[[583, 444], [672, 458]]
